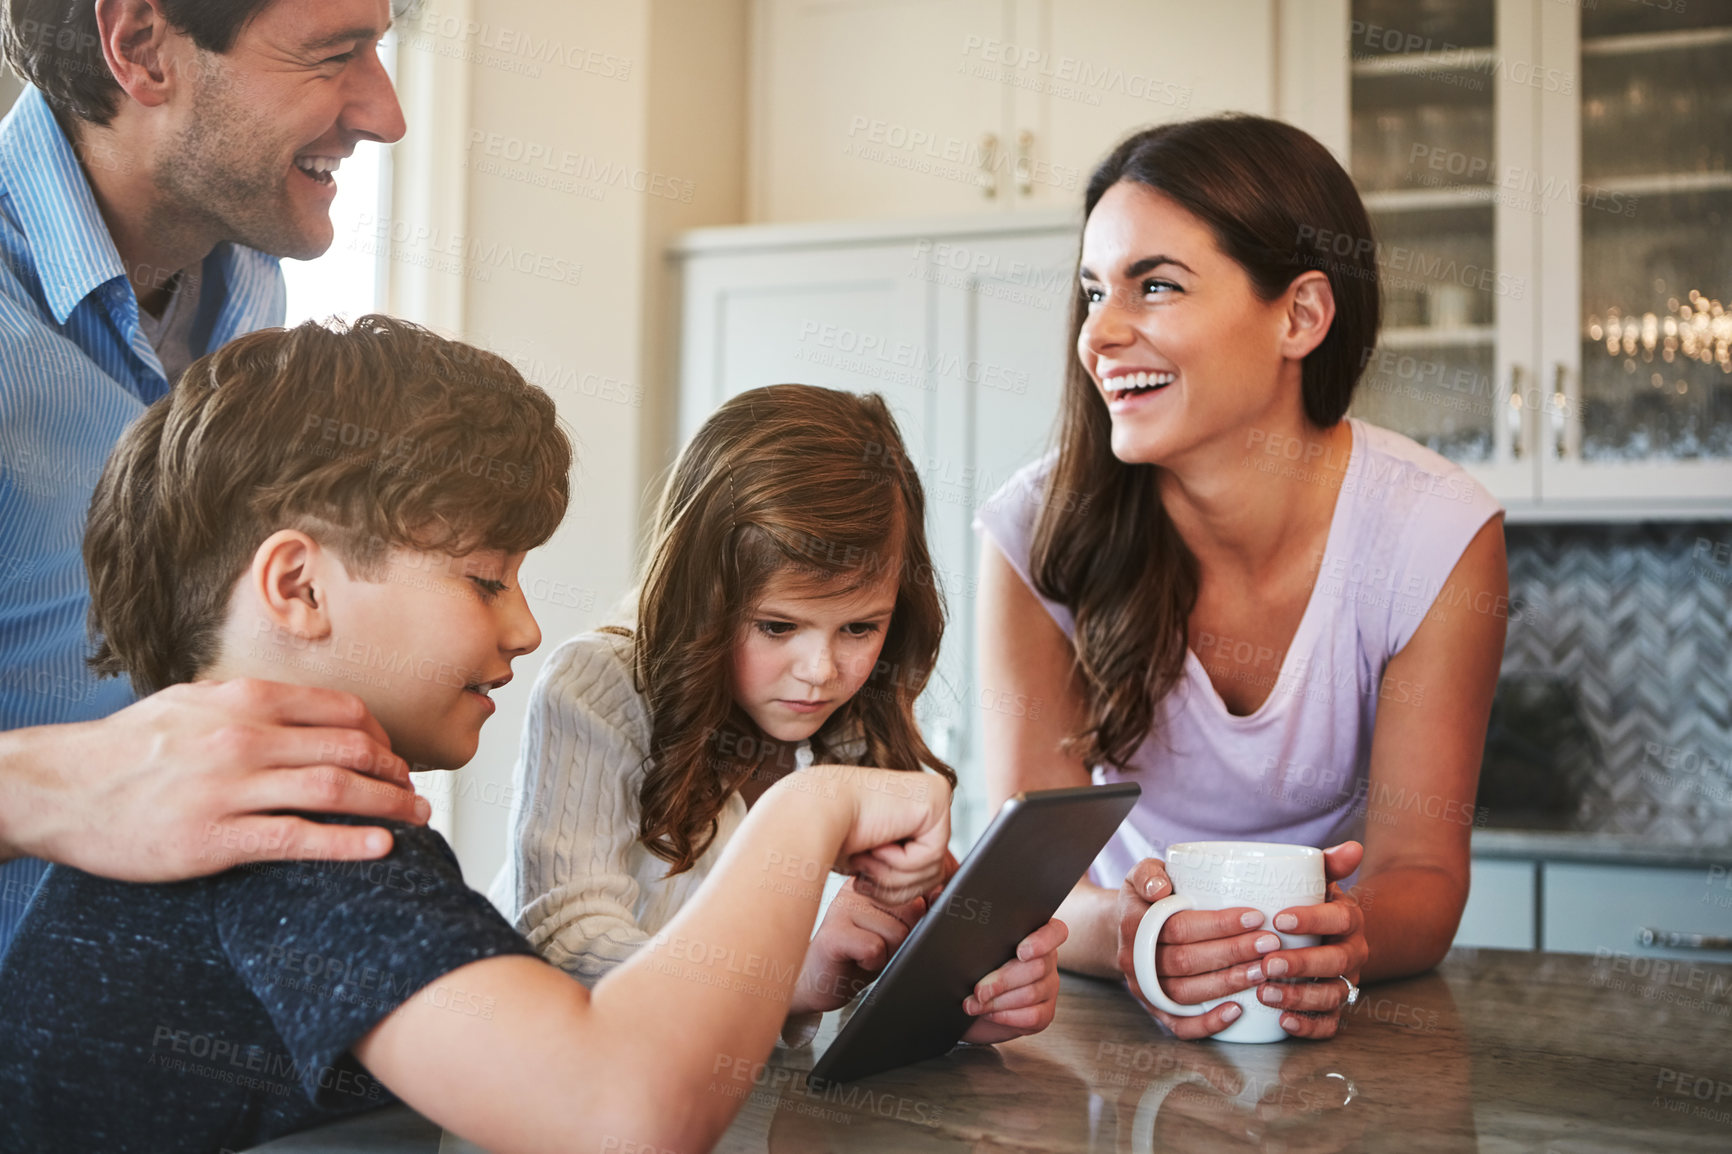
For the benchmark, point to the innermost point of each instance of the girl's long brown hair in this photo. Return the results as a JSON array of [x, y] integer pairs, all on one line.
[[784, 479], [1278, 204]]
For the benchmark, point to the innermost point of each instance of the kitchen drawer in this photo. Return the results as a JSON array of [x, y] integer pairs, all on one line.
[[1500, 906], [1588, 908]]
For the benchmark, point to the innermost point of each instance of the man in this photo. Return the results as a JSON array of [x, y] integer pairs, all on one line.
[[168, 153]]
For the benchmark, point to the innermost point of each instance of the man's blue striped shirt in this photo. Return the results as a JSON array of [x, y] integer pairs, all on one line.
[[75, 369]]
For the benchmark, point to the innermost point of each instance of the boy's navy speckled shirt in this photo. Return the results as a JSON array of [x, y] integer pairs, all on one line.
[[219, 1013]]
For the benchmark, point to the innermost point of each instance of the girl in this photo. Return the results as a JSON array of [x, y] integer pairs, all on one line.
[[1285, 625], [774, 629]]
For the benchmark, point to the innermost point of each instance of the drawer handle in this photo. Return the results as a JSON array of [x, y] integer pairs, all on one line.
[[1680, 940]]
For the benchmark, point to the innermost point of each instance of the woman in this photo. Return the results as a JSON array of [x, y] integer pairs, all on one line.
[[1285, 625]]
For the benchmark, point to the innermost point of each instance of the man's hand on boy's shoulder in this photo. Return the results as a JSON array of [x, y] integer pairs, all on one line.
[[195, 779]]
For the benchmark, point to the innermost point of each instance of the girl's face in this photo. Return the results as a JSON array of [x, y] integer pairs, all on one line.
[[801, 656], [1182, 351]]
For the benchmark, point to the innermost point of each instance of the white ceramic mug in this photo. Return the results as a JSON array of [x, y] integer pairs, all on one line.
[[1218, 875]]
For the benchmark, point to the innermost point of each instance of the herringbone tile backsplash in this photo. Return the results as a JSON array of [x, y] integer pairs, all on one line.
[[1619, 666]]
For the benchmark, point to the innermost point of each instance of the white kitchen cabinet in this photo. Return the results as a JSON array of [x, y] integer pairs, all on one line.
[[875, 108], [1608, 907], [1500, 906], [1101, 69], [1550, 189], [1645, 911], [848, 315]]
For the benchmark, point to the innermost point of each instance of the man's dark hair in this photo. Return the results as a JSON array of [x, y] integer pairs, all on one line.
[[54, 45]]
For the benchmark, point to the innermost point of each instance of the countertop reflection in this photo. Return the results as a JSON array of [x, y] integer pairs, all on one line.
[[1496, 1050]]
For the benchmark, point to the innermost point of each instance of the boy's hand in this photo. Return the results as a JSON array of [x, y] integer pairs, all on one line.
[[1021, 996], [191, 781], [900, 824], [854, 942]]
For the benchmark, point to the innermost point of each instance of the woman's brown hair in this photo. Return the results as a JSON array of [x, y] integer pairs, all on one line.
[[793, 480], [1278, 204], [379, 435]]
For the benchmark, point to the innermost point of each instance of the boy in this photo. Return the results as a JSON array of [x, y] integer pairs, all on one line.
[[350, 509]]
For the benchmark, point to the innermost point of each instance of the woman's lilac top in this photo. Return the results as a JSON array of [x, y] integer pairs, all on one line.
[[1297, 769]]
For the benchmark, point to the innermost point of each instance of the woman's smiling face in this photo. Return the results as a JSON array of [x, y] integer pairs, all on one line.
[[1181, 349]]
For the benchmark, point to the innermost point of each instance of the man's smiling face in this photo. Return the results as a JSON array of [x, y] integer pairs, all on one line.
[[261, 126]]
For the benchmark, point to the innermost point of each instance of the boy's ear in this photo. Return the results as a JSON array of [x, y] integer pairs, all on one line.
[[289, 579]]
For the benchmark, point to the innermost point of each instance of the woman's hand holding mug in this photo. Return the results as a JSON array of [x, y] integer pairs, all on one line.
[[1204, 954]]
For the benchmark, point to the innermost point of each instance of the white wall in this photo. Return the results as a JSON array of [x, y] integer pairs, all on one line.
[[590, 132]]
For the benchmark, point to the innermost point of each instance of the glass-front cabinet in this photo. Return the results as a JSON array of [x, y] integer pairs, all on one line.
[[1551, 201]]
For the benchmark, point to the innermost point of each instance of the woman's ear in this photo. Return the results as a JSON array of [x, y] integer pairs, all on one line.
[[1310, 312], [289, 578]]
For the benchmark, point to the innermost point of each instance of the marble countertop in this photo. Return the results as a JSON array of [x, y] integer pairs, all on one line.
[[1495, 1051], [1584, 846]]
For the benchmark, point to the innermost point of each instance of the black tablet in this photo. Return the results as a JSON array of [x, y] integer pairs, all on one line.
[[1033, 853]]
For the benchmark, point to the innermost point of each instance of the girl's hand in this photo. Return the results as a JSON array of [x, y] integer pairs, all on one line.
[[1201, 954], [1021, 996], [1308, 982], [854, 942]]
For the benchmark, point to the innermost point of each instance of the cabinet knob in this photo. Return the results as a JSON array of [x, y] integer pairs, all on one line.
[[988, 177], [1565, 432], [1516, 415], [1025, 162], [1650, 938]]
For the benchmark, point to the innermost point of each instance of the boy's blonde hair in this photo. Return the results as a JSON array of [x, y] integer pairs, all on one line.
[[374, 436]]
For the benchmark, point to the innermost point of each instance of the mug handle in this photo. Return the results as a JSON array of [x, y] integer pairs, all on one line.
[[1143, 952]]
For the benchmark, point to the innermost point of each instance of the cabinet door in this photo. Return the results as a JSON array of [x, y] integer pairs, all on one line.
[[846, 317], [1605, 909], [999, 314], [1440, 110], [869, 108], [1635, 163], [1087, 73], [1500, 906]]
